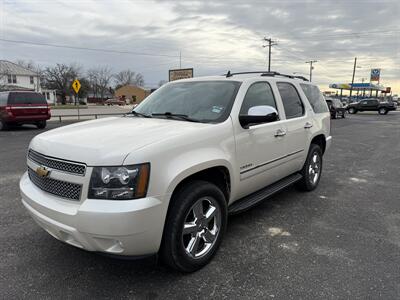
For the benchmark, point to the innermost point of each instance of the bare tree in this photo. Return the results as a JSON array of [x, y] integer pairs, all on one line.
[[139, 80], [161, 83], [93, 82], [100, 79], [128, 77], [60, 78], [27, 64]]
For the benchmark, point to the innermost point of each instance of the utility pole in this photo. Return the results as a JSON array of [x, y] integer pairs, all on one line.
[[180, 59], [311, 66], [270, 44], [352, 79]]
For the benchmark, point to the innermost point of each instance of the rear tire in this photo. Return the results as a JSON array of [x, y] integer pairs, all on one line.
[[312, 169], [41, 124], [190, 250], [343, 115], [3, 125], [352, 110]]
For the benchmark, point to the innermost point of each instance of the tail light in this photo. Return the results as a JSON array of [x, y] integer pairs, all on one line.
[[8, 110]]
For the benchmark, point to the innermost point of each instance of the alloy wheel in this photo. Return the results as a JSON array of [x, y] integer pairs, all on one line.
[[314, 168], [201, 227]]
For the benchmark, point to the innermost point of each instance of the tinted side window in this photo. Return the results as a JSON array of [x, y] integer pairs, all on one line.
[[3, 99], [291, 100], [315, 98], [26, 98], [259, 93]]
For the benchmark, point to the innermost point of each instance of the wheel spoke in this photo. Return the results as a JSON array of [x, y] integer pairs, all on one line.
[[208, 236], [189, 228], [193, 245], [198, 210], [210, 213]]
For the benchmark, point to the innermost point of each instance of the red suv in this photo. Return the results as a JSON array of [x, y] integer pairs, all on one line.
[[17, 108]]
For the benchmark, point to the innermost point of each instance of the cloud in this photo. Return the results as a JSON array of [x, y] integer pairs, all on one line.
[[213, 36]]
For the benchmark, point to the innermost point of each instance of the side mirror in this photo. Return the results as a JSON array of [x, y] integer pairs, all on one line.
[[257, 115]]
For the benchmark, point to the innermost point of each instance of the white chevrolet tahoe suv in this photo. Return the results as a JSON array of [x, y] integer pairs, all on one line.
[[164, 178]]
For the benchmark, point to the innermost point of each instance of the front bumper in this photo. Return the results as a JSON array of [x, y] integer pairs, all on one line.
[[131, 227]]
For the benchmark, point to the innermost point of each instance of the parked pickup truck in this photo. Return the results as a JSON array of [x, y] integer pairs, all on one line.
[[370, 105], [164, 178]]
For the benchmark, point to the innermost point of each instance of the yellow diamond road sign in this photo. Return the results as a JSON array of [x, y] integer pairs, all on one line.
[[76, 85]]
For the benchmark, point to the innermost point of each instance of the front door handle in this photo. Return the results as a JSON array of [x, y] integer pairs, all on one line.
[[280, 132], [308, 125]]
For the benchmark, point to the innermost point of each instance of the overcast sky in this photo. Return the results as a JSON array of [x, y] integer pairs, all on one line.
[[213, 36]]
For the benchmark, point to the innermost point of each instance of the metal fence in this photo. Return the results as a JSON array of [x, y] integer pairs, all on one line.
[[79, 116]]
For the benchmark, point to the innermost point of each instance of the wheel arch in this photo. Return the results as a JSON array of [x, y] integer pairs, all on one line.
[[319, 140], [218, 174]]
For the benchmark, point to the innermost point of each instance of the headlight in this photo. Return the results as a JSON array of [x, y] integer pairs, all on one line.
[[119, 183]]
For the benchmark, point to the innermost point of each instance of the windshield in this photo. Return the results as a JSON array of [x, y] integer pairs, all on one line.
[[204, 101]]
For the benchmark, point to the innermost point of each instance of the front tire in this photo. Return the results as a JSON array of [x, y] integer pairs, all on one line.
[[312, 169], [382, 111], [194, 227], [352, 110]]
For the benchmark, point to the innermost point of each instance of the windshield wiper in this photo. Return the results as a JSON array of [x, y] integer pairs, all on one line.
[[179, 116], [135, 113]]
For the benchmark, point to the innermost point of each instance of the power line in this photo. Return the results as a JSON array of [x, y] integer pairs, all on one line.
[[344, 34], [87, 48]]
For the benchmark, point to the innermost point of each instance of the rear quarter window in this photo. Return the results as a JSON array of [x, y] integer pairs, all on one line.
[[315, 98], [26, 98]]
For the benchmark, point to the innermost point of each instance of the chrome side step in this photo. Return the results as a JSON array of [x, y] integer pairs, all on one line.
[[253, 199]]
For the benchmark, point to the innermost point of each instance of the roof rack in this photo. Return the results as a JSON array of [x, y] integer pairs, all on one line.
[[265, 73]]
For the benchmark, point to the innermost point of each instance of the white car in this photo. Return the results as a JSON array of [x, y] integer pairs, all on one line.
[[164, 178]]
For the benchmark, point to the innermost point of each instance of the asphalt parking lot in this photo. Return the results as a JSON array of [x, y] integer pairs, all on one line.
[[341, 241]]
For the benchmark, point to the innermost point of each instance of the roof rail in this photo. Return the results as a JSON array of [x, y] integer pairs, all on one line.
[[265, 73], [301, 77]]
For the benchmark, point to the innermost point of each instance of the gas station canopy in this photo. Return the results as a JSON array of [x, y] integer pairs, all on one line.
[[358, 86]]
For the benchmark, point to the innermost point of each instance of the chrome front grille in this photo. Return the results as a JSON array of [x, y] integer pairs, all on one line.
[[59, 188], [54, 163]]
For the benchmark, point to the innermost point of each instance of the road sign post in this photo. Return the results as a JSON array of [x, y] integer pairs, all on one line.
[[76, 85]]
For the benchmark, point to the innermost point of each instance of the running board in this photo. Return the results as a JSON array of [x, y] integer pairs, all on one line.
[[253, 199]]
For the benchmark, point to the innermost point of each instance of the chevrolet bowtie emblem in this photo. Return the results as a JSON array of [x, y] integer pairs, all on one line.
[[42, 172]]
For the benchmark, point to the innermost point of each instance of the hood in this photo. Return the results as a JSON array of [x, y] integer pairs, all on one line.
[[108, 141]]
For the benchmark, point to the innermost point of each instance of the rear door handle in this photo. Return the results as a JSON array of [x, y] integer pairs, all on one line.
[[308, 125], [280, 132]]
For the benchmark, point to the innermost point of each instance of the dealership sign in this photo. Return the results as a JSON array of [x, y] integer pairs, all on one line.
[[375, 74], [180, 74]]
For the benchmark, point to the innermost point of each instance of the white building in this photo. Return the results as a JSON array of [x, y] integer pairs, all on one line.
[[14, 77]]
